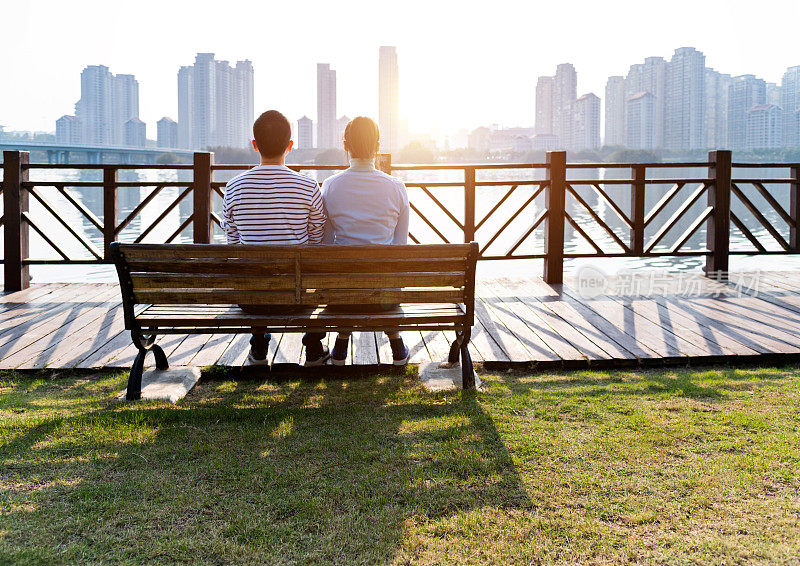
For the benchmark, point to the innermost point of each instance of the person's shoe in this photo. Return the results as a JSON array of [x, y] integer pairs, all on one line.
[[339, 354], [400, 353], [252, 360], [316, 355]]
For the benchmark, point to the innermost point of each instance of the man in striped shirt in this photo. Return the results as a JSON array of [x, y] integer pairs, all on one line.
[[271, 204]]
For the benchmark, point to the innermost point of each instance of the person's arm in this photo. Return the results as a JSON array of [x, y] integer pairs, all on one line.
[[231, 232], [401, 230], [327, 237], [316, 218]]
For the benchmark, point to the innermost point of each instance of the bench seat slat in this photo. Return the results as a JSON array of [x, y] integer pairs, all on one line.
[[225, 316], [313, 298], [305, 327], [166, 310], [160, 280], [245, 266], [382, 280], [459, 251], [157, 280], [219, 266], [186, 251], [376, 265], [212, 296]]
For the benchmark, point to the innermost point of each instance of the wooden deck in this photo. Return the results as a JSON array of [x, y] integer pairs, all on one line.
[[642, 320]]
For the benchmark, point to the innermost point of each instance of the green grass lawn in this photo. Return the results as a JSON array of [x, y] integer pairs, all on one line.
[[588, 467]]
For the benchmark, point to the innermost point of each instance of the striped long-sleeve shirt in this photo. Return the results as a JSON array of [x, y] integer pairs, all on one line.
[[271, 204]]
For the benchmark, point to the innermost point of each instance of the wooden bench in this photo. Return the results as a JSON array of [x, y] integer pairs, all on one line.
[[196, 289]]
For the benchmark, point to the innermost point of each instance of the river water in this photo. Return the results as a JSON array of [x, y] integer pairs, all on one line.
[[452, 198]]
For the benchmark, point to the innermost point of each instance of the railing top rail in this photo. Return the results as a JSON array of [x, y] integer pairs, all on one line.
[[765, 181], [103, 166], [296, 166], [631, 165], [442, 166], [764, 165], [398, 167]]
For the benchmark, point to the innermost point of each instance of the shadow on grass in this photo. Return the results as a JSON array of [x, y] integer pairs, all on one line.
[[247, 471]]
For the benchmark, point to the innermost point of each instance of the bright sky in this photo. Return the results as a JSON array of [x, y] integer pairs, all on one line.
[[462, 63]]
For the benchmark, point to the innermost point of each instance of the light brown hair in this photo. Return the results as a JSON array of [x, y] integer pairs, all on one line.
[[361, 138]]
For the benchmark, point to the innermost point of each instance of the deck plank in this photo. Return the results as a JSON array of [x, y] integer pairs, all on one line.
[[520, 306], [364, 349], [56, 331], [22, 321], [514, 336], [212, 350], [235, 354], [643, 331]]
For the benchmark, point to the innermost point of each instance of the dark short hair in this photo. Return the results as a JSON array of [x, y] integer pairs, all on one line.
[[272, 133], [361, 137]]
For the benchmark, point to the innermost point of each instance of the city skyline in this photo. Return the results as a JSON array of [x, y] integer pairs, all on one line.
[[678, 104], [440, 89]]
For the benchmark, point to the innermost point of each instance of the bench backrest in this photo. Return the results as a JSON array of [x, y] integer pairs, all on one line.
[[296, 275]]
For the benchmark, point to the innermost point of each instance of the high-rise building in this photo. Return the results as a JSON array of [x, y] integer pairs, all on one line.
[[716, 109], [684, 120], [764, 129], [388, 99], [68, 130], [544, 105], [185, 105], [126, 104], [615, 111], [773, 94], [640, 121], [744, 92], [135, 133], [790, 105], [565, 88], [225, 112], [654, 79], [305, 133], [107, 102], [586, 126], [204, 101], [215, 103], [243, 93], [94, 109], [650, 76], [167, 133], [326, 106]]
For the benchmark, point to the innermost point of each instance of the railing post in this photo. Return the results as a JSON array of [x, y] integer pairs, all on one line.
[[16, 241], [201, 189], [110, 200], [554, 203], [383, 162], [637, 209], [719, 197], [794, 209], [469, 204]]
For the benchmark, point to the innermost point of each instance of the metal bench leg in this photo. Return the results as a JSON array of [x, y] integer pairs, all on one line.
[[143, 344], [161, 357], [467, 371], [134, 392], [455, 348]]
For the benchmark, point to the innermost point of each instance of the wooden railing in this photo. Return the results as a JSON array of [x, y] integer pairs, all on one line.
[[488, 210]]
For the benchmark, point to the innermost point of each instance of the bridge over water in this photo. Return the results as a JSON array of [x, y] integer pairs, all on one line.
[[61, 153]]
